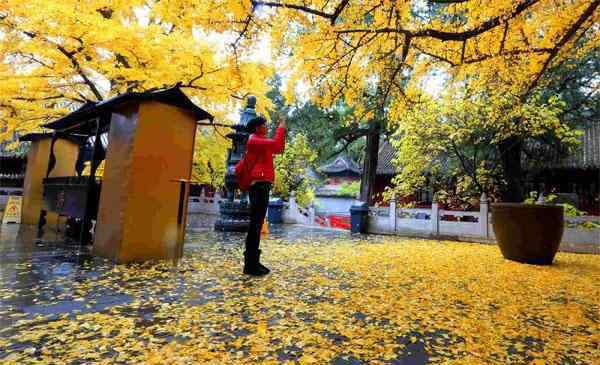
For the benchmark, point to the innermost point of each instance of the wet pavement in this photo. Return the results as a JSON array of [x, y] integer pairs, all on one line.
[[332, 298], [34, 274]]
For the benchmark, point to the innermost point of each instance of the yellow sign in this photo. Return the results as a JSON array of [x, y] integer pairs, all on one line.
[[12, 211]]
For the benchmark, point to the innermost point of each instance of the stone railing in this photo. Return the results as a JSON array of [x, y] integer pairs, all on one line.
[[292, 212], [203, 204], [418, 222], [463, 225]]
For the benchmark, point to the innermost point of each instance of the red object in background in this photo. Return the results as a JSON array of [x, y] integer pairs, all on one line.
[[335, 221], [340, 221]]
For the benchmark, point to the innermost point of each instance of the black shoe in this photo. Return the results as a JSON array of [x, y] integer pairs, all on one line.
[[261, 266], [252, 266]]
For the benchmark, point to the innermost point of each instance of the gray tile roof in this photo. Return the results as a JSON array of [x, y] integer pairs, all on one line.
[[387, 153], [340, 163]]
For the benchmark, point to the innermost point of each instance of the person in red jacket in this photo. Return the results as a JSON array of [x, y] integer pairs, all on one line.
[[259, 156]]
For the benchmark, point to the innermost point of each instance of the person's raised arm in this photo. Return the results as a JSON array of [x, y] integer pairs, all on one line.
[[276, 144], [280, 137]]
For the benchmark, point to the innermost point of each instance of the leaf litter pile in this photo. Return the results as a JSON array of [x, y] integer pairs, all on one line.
[[327, 301]]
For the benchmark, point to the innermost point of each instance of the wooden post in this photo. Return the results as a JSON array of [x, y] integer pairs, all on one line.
[[52, 156], [91, 182], [139, 215], [182, 212], [65, 154]]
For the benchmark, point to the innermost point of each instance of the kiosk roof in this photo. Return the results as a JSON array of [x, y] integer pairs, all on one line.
[[76, 121]]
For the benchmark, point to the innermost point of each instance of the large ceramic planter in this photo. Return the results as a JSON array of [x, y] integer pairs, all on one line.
[[528, 233]]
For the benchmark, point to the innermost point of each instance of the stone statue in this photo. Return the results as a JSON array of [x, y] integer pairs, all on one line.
[[249, 112]]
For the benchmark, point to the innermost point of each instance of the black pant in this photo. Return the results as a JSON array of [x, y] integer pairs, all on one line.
[[259, 201]]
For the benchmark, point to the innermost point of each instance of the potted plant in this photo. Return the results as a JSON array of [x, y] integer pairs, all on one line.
[[531, 231]]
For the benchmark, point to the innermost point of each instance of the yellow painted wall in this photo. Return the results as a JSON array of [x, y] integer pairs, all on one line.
[[37, 164], [115, 181], [139, 202]]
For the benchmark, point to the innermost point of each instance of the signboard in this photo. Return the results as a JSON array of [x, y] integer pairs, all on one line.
[[12, 211]]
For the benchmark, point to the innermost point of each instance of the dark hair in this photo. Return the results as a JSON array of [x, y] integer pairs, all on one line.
[[253, 124]]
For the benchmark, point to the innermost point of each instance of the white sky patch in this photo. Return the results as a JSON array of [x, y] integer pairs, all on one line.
[[263, 51], [142, 14], [434, 83]]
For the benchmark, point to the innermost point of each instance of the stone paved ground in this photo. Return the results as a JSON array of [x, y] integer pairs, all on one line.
[[331, 298]]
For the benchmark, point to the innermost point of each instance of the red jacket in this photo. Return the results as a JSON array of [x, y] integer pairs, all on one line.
[[259, 154]]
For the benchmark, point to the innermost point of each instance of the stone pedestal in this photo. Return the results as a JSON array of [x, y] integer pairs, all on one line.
[[234, 216]]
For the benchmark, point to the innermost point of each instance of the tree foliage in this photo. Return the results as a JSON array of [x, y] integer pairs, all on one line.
[[453, 141], [292, 171], [210, 155], [59, 54], [350, 189], [387, 50], [376, 55], [328, 130], [353, 48]]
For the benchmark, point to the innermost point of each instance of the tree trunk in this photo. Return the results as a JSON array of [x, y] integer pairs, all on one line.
[[510, 154], [367, 181]]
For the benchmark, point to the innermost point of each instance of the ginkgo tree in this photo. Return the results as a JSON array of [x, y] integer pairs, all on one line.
[[57, 55], [453, 139], [385, 50], [376, 55], [450, 143]]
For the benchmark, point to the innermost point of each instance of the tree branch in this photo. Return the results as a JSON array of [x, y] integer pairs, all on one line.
[[306, 9], [338, 10], [449, 36], [564, 40], [74, 62]]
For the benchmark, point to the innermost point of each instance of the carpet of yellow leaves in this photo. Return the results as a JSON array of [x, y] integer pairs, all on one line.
[[343, 302]]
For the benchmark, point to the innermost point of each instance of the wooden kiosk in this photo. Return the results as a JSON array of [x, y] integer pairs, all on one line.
[[139, 205], [38, 160]]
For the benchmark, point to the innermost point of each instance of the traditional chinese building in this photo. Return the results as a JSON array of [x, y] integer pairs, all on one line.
[[340, 170], [578, 174], [576, 177]]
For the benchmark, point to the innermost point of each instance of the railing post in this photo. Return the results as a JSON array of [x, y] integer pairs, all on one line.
[[484, 216], [311, 215], [216, 201], [293, 208], [392, 215], [435, 216]]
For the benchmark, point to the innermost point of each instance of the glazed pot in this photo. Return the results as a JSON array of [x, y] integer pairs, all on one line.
[[528, 233]]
